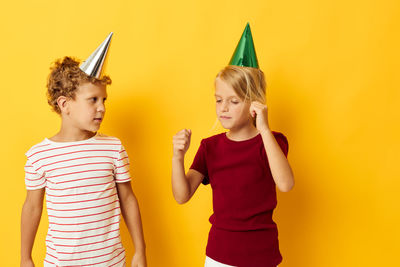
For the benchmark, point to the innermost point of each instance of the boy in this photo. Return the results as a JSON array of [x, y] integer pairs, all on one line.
[[84, 175]]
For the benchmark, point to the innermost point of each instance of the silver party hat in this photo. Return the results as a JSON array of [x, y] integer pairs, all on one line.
[[93, 66]]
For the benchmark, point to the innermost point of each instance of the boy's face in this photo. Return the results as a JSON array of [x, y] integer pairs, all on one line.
[[86, 111], [232, 111]]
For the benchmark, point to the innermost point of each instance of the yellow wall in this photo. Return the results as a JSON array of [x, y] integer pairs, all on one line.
[[333, 74]]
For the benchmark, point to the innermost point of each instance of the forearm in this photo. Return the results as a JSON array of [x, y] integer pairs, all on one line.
[[30, 219], [279, 165], [131, 213], [180, 184]]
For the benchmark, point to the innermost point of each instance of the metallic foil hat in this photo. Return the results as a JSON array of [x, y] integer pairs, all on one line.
[[93, 66], [245, 53]]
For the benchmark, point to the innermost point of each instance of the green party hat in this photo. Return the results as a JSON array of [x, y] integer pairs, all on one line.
[[245, 53]]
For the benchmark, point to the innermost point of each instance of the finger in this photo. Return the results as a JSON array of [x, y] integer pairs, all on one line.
[[180, 147]]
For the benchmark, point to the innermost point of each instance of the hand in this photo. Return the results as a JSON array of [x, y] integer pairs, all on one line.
[[260, 111], [27, 263], [139, 260], [181, 142]]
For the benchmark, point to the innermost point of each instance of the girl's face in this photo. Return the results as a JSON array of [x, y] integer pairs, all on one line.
[[86, 111], [232, 111]]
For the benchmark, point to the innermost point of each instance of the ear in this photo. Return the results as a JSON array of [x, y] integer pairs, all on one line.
[[62, 102]]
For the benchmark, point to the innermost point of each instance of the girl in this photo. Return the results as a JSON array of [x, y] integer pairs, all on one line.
[[243, 166]]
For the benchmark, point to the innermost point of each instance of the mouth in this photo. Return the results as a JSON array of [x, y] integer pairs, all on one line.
[[98, 120], [225, 117]]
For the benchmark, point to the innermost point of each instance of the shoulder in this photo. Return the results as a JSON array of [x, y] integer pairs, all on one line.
[[103, 138], [37, 147], [213, 139], [280, 136]]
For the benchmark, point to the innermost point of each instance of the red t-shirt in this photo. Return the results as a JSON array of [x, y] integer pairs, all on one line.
[[243, 233]]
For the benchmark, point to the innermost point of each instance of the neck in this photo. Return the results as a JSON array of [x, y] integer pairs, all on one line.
[[68, 133], [245, 132]]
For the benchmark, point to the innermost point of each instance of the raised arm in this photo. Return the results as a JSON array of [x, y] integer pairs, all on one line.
[[280, 168], [183, 185]]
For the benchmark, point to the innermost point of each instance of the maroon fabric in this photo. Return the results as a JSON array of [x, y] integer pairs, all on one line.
[[243, 233]]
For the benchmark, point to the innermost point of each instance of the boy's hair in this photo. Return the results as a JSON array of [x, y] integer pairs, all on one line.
[[64, 79], [248, 83]]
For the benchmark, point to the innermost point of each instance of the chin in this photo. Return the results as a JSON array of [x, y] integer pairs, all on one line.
[[226, 126], [92, 129]]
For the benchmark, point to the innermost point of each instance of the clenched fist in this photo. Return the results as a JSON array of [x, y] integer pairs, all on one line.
[[181, 143], [260, 111]]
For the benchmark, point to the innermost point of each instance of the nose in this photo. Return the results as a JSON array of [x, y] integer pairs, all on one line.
[[101, 107], [225, 106]]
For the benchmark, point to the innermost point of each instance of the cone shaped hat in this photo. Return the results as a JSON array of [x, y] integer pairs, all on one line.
[[93, 66], [245, 53]]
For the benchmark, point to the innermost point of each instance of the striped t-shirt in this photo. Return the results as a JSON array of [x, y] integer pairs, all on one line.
[[81, 198]]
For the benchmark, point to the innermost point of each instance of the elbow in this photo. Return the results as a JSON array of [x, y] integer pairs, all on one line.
[[286, 187], [181, 199]]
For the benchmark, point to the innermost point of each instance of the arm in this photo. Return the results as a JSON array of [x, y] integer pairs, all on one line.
[[30, 219], [131, 213], [183, 186], [278, 163]]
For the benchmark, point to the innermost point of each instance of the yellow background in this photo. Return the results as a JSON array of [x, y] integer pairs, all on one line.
[[333, 73]]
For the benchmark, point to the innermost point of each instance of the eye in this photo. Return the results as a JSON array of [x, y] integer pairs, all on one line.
[[234, 101], [218, 100], [94, 99], [104, 100]]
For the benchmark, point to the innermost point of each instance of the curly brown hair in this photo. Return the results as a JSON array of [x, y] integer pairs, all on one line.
[[64, 79]]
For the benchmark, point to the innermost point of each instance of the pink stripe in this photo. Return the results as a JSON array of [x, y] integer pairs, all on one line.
[[38, 146], [81, 179], [86, 193], [123, 158], [79, 238], [73, 152], [81, 216], [84, 222], [123, 180], [79, 186], [74, 231], [51, 255], [123, 165], [118, 261], [118, 243], [60, 245], [102, 261], [121, 173], [84, 164], [33, 179], [87, 200], [84, 144], [48, 261], [95, 170], [85, 208], [88, 157], [35, 186]]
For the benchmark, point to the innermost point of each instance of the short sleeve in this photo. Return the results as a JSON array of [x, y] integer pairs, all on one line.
[[199, 163], [33, 179], [121, 173], [283, 142]]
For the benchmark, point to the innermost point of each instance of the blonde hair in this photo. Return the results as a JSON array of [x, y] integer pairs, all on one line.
[[248, 83]]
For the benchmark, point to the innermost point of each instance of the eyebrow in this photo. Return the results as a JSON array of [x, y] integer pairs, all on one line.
[[231, 96]]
